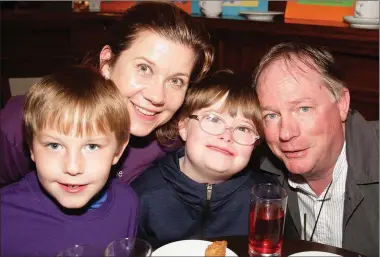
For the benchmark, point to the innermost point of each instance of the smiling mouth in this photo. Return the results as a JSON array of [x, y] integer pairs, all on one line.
[[223, 151], [71, 188], [295, 154], [144, 111]]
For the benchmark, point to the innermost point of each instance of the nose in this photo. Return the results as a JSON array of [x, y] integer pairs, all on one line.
[[289, 128], [73, 165], [155, 93], [226, 135]]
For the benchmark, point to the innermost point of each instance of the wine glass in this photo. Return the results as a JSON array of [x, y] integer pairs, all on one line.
[[128, 247], [80, 251]]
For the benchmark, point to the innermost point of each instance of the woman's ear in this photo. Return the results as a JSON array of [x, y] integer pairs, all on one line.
[[182, 129], [104, 58]]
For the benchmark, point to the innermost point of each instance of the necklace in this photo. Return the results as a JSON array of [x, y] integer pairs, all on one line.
[[319, 213]]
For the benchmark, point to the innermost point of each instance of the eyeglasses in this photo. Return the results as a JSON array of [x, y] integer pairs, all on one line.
[[215, 125]]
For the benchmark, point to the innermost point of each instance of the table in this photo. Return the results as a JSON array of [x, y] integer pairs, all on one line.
[[239, 244]]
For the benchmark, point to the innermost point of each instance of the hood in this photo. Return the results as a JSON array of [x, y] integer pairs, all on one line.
[[193, 193]]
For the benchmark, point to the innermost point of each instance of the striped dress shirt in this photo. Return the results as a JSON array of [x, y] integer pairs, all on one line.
[[329, 229]]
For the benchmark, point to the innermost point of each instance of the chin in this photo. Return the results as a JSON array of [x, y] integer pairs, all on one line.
[[297, 168], [141, 132]]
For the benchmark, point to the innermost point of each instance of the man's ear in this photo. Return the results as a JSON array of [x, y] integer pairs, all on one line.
[[117, 156], [182, 129], [344, 104], [104, 57]]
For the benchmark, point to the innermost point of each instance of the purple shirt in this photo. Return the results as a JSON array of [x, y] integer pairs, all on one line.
[[33, 225], [15, 159]]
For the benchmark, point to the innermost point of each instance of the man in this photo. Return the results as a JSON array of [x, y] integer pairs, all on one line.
[[328, 155]]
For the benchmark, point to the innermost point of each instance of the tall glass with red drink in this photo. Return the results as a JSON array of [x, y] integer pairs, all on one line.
[[267, 220]]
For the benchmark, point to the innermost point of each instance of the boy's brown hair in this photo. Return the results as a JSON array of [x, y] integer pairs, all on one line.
[[77, 100], [241, 98]]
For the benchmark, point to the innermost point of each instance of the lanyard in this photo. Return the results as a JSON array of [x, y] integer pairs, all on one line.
[[319, 213]]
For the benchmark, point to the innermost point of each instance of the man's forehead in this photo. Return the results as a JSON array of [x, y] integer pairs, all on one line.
[[294, 71]]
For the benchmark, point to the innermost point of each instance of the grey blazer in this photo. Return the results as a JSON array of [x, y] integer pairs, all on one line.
[[361, 207]]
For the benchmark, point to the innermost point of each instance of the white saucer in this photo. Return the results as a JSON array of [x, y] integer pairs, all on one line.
[[362, 21], [313, 253], [364, 26], [260, 16]]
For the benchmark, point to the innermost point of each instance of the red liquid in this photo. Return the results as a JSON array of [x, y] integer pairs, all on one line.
[[266, 229]]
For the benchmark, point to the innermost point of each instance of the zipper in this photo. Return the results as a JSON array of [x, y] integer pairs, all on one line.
[[209, 192], [206, 208]]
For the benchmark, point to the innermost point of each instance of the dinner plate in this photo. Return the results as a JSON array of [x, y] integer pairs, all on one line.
[[260, 16], [313, 253], [187, 248]]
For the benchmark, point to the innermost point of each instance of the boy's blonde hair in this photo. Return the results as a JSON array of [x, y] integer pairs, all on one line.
[[77, 100], [240, 98]]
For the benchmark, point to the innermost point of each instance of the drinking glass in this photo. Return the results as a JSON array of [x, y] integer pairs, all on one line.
[[267, 220], [128, 247], [80, 251]]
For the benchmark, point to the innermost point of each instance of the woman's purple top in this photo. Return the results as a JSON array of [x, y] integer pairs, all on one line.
[[15, 160]]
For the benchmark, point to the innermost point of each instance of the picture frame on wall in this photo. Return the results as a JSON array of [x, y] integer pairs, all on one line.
[[319, 11]]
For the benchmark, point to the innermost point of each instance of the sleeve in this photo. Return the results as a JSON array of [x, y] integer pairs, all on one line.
[[14, 156]]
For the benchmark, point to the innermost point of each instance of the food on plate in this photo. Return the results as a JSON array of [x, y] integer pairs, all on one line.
[[217, 248]]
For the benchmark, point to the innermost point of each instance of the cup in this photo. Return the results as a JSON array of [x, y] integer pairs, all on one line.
[[267, 220], [367, 9], [211, 8], [128, 247], [80, 251]]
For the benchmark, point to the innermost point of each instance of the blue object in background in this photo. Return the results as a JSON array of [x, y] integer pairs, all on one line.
[[233, 8]]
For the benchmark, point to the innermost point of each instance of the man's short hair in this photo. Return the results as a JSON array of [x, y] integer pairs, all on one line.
[[317, 58]]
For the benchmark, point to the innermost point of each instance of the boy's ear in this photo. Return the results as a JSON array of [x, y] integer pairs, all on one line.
[[182, 129], [31, 154], [117, 156], [104, 56]]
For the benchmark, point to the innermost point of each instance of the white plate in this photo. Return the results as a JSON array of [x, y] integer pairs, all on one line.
[[260, 16], [362, 21], [313, 253], [186, 248]]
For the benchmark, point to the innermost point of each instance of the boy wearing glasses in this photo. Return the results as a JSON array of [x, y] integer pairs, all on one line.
[[203, 189]]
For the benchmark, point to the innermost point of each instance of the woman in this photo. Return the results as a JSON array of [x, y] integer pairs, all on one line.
[[154, 52]]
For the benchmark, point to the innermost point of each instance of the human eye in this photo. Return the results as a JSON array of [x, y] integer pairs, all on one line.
[[244, 129], [176, 82], [92, 147], [270, 116], [53, 146], [213, 118], [305, 109], [144, 69]]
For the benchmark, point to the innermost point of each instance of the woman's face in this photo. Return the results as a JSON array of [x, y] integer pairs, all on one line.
[[153, 76]]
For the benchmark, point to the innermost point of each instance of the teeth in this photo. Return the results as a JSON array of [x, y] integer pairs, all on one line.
[[143, 111], [73, 186]]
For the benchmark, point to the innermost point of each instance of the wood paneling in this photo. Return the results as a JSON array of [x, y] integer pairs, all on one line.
[[36, 43]]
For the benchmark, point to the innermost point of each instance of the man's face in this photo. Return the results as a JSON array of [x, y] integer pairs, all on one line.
[[303, 123]]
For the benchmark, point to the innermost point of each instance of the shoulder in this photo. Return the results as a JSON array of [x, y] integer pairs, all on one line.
[[16, 191], [11, 115], [150, 180], [259, 176], [124, 190]]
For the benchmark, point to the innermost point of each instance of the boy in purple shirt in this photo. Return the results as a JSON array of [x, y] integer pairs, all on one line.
[[77, 126]]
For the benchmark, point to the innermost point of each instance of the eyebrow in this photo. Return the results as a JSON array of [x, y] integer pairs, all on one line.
[[295, 102], [153, 64]]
